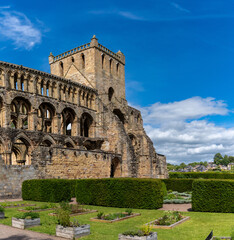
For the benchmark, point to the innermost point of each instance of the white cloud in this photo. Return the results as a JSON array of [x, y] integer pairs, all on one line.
[[178, 7], [18, 28], [178, 130]]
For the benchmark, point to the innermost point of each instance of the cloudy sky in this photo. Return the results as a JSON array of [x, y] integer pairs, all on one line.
[[179, 61]]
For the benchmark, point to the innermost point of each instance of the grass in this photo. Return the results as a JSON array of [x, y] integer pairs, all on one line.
[[197, 228]]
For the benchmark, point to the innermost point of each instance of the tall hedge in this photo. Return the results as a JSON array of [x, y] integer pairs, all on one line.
[[204, 175], [46, 190], [179, 185], [213, 196], [122, 192]]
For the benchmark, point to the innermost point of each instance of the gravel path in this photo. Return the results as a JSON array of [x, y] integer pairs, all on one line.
[[11, 233]]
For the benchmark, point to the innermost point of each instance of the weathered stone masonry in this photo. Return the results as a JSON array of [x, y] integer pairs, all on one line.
[[72, 123]]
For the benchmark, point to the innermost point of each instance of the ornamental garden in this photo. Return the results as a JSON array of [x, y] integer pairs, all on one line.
[[126, 208]]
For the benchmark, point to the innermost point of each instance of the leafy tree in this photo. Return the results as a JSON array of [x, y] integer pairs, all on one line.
[[231, 159], [218, 158], [225, 160], [183, 165]]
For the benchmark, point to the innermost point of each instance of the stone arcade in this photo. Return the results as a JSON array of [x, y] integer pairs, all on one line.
[[72, 123]]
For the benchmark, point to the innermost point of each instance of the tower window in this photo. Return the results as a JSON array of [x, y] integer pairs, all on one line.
[[61, 68], [83, 60]]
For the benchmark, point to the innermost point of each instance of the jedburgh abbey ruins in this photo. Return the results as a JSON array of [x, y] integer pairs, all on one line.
[[72, 123]]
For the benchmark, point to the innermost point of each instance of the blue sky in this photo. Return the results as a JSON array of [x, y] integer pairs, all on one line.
[[179, 61]]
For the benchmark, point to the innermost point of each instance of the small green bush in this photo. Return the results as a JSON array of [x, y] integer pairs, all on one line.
[[27, 215], [213, 196], [120, 192], [2, 209], [203, 175], [179, 185], [46, 190]]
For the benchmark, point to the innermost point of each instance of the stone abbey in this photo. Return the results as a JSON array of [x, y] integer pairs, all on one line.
[[72, 123]]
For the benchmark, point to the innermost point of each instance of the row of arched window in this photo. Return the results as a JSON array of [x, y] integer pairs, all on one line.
[[22, 118]]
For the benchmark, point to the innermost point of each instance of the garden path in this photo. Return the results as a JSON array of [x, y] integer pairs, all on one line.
[[11, 233], [185, 207]]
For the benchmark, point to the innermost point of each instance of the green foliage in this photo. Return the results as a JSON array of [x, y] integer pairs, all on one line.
[[220, 160], [2, 209], [63, 217], [176, 197], [65, 206], [204, 175], [146, 229], [179, 185], [100, 215], [164, 188], [138, 233], [169, 218], [113, 216], [213, 196], [27, 215], [46, 190], [128, 211], [122, 192]]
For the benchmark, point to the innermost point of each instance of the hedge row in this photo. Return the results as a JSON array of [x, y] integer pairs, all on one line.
[[204, 175], [122, 192], [179, 185], [47, 190], [213, 196]]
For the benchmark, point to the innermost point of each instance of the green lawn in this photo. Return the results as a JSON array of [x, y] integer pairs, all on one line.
[[197, 228]]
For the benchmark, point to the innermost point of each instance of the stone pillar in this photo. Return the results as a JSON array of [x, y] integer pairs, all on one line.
[[32, 120], [6, 115], [56, 126], [44, 89]]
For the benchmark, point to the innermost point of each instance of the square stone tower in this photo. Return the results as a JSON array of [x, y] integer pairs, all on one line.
[[95, 66]]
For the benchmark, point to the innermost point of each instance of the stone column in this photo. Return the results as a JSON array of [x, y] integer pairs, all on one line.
[[6, 115]]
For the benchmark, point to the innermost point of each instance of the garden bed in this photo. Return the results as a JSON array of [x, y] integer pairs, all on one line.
[[36, 210], [169, 220], [177, 197], [76, 213], [152, 236], [16, 205], [117, 217], [219, 238]]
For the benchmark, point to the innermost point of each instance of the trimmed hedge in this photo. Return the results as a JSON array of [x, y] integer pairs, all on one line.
[[213, 196], [204, 175], [120, 192], [179, 185], [46, 190]]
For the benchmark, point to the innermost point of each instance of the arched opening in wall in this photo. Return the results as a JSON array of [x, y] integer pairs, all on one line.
[[103, 60], [133, 140], [87, 100], [16, 81], [61, 68], [86, 122], [111, 65], [42, 87], [138, 119], [46, 113], [22, 82], [1, 105], [46, 143], [120, 115], [68, 117], [117, 68], [115, 168], [72, 60], [83, 60], [2, 152], [20, 109], [20, 153], [110, 93], [47, 89], [69, 145]]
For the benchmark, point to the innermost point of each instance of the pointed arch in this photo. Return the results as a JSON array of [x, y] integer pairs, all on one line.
[[86, 122], [48, 141], [69, 143]]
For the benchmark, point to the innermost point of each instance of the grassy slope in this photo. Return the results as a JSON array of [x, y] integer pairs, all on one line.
[[197, 228]]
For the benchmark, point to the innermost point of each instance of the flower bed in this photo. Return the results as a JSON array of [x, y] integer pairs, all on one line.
[[25, 220], [169, 220], [114, 217], [45, 207], [178, 198], [223, 238], [10, 205]]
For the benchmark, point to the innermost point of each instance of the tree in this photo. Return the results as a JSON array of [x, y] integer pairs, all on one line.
[[225, 160], [231, 159], [183, 165], [218, 158]]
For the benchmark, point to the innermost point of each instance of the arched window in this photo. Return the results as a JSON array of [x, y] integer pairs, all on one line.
[[86, 122], [22, 82], [103, 60], [72, 59], [117, 68], [110, 93], [46, 113], [20, 153], [68, 117], [47, 89], [110, 65], [20, 109], [61, 68], [15, 81], [120, 115], [115, 168], [83, 60], [42, 87]]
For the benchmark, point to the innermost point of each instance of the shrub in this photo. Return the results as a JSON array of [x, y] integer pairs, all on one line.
[[179, 185], [138, 233], [213, 196], [122, 192], [2, 209], [46, 190], [27, 215], [204, 175]]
